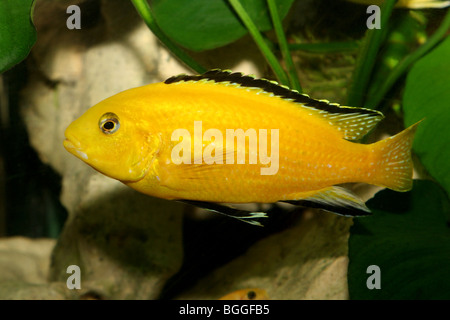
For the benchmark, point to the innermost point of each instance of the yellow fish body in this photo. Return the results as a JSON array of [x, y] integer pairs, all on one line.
[[411, 4], [247, 294], [223, 137]]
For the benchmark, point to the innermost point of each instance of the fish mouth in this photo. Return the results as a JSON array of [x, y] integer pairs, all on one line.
[[73, 146]]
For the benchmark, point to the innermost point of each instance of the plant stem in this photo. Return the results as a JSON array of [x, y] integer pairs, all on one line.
[[145, 12], [403, 65], [282, 42], [367, 56], [257, 37]]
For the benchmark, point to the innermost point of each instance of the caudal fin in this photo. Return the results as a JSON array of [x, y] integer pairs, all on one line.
[[393, 160]]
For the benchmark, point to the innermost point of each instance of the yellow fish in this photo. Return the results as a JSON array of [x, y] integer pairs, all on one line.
[[223, 137], [411, 4], [247, 294]]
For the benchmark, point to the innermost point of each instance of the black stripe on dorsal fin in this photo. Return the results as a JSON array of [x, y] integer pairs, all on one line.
[[354, 123]]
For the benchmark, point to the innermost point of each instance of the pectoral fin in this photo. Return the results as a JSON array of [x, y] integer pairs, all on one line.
[[336, 200], [242, 215], [181, 176]]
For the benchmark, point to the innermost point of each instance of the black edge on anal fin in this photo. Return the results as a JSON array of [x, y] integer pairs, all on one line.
[[340, 210], [242, 215]]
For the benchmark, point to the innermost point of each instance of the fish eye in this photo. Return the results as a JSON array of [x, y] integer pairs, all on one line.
[[109, 123], [251, 295]]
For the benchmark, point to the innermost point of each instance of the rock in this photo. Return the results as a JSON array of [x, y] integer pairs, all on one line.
[[24, 265], [125, 243], [23, 259], [306, 261]]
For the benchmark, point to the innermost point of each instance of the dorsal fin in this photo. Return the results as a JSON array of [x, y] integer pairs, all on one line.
[[352, 122]]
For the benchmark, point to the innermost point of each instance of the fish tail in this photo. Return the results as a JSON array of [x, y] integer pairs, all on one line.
[[394, 167]]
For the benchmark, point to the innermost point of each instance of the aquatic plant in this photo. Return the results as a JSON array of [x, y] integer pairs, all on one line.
[[401, 67], [385, 56]]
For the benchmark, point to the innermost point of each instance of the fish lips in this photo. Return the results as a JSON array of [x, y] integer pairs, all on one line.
[[73, 146], [134, 174]]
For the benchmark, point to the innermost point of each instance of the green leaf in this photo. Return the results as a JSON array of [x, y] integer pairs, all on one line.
[[408, 238], [427, 96], [367, 56], [405, 32], [17, 32], [208, 24]]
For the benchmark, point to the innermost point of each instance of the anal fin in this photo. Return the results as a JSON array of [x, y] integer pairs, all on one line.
[[336, 200]]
